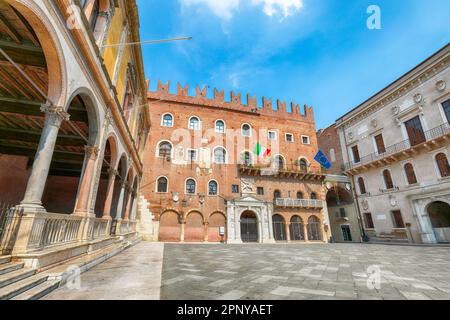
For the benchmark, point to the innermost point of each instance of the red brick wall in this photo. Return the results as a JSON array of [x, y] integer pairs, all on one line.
[[329, 139], [234, 114], [14, 176]]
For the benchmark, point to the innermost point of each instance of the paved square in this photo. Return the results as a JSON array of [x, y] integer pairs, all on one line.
[[335, 271]]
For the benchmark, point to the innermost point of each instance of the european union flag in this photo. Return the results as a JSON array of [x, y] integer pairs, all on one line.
[[323, 160]]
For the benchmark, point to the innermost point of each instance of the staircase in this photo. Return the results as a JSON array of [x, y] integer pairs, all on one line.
[[19, 283], [146, 226]]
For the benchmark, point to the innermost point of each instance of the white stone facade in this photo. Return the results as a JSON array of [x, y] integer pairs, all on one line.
[[420, 93]]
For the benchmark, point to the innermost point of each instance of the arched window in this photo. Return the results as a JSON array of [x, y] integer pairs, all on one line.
[[277, 194], [314, 229], [246, 158], [299, 195], [190, 186], [165, 149], [220, 126], [442, 163], [303, 164], [167, 120], [362, 185], [279, 162], [162, 186], [313, 196], [246, 130], [388, 179], [410, 174], [220, 155], [212, 188], [194, 123]]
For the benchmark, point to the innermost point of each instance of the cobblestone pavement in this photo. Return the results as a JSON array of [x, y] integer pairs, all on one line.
[[335, 271]]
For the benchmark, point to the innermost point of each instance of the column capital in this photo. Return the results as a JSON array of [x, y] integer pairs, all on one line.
[[52, 110], [112, 172], [92, 152]]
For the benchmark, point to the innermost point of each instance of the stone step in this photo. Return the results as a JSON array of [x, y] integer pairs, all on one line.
[[39, 291], [21, 286], [5, 259], [14, 276], [11, 266]]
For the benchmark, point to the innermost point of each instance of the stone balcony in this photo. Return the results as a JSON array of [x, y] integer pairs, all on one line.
[[299, 203], [431, 139], [289, 172]]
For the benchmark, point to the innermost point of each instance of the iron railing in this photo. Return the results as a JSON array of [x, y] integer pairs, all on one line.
[[299, 203], [429, 135]]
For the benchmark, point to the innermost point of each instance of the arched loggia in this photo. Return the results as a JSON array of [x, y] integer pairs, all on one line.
[[118, 189], [22, 123]]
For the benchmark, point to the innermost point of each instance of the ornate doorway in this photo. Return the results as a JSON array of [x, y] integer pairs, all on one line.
[[249, 227], [439, 213]]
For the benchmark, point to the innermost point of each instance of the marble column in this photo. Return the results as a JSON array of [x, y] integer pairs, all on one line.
[[288, 231], [54, 116], [121, 199], [109, 194], [305, 232], [82, 206], [128, 207]]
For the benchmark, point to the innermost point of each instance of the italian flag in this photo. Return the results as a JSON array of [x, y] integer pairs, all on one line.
[[260, 150]]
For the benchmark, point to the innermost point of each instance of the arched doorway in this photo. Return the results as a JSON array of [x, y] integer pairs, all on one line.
[[109, 159], [169, 227], [194, 230], [249, 227], [439, 213], [118, 183], [216, 221], [279, 228], [296, 229], [314, 230]]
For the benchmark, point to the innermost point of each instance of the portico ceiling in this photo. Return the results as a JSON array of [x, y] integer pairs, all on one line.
[[21, 120]]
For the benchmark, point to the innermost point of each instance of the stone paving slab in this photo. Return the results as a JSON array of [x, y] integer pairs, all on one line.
[[268, 272], [305, 272], [134, 274]]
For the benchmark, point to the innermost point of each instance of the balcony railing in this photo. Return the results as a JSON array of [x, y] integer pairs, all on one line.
[[288, 171], [429, 135], [299, 203], [52, 229]]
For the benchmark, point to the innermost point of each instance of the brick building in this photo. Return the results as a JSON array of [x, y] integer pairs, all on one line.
[[248, 168]]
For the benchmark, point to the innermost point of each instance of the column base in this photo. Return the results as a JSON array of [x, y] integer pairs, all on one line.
[[27, 207]]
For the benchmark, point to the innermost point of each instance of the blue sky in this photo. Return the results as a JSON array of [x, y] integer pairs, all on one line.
[[318, 52]]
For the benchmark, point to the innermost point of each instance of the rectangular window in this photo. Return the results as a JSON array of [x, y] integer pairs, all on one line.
[[380, 144], [398, 219], [305, 139], [342, 213], [355, 152], [446, 106], [415, 131], [260, 191], [272, 135], [289, 137], [369, 221], [235, 188], [191, 155]]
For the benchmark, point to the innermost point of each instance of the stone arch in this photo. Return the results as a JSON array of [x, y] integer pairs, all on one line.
[[169, 226], [279, 227], [92, 109], [51, 46], [338, 196], [314, 228], [296, 228], [438, 211], [250, 231], [216, 220], [194, 230]]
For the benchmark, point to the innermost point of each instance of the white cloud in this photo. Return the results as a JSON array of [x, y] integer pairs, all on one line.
[[283, 7], [224, 9]]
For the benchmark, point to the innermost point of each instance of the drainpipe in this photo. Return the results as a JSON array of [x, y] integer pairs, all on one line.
[[361, 227]]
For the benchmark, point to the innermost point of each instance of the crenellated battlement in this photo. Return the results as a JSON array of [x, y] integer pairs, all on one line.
[[218, 100]]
